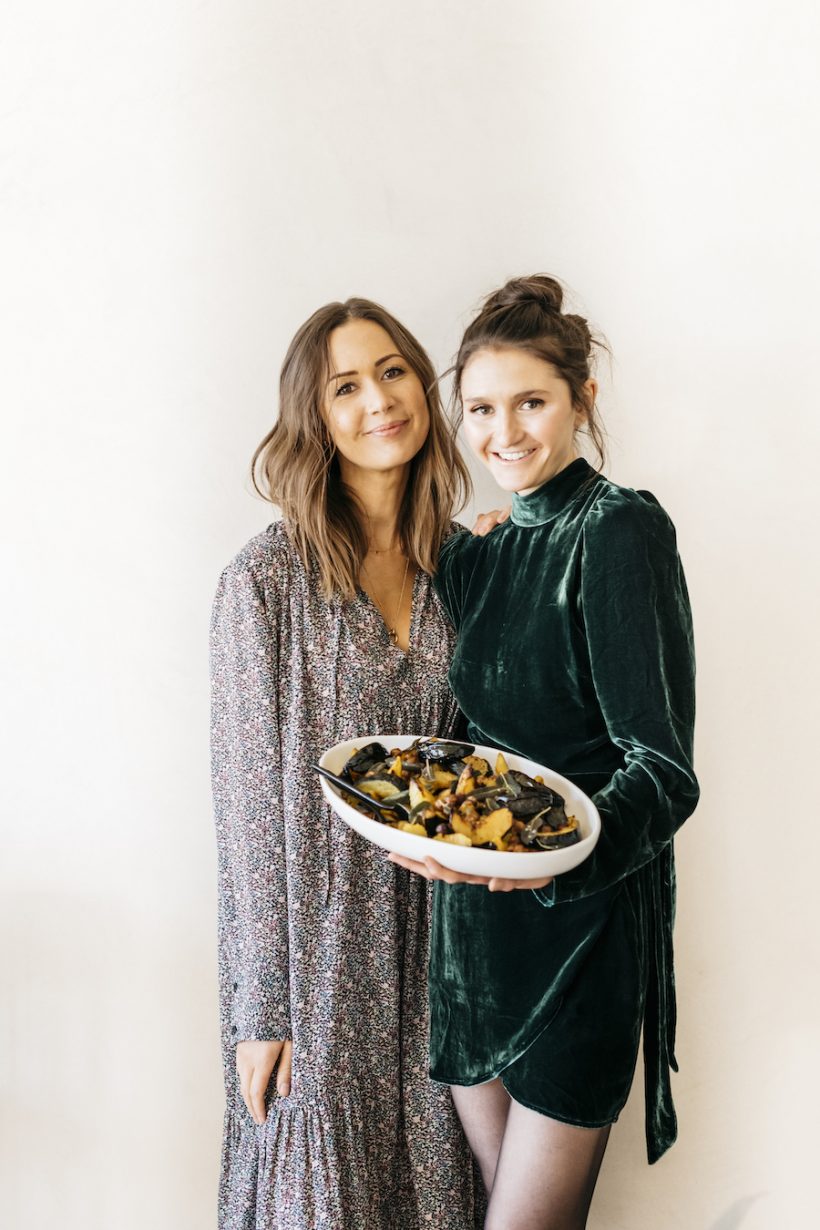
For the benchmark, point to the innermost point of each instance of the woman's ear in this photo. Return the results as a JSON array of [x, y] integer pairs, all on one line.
[[588, 393]]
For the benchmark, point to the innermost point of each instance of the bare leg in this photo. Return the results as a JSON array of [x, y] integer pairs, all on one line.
[[482, 1110], [546, 1173]]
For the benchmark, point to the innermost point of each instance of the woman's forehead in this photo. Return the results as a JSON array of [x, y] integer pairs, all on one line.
[[500, 367], [358, 341]]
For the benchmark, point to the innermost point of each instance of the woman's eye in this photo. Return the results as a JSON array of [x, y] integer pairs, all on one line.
[[343, 389], [482, 410], [532, 403], [394, 371]]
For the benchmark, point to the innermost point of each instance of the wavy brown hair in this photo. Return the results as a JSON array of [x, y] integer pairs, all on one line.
[[296, 467], [526, 313]]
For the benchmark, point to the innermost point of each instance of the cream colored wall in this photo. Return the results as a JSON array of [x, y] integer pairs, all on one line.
[[180, 184]]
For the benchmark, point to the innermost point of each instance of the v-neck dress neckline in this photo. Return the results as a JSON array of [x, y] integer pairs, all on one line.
[[369, 603]]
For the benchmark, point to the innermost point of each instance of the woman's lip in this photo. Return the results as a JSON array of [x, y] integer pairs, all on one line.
[[389, 429], [512, 461]]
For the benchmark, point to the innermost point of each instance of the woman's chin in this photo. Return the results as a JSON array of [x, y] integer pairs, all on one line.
[[384, 460], [512, 478], [524, 479]]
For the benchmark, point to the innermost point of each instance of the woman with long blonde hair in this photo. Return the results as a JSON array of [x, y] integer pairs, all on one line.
[[325, 626]]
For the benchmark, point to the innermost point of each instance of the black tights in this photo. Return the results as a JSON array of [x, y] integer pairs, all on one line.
[[539, 1173]]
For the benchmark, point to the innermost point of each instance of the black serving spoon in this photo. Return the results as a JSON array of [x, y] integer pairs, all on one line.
[[375, 805]]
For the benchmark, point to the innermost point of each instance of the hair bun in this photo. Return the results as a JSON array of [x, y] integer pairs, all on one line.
[[538, 289]]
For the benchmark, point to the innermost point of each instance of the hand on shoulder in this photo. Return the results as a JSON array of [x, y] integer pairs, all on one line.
[[486, 522]]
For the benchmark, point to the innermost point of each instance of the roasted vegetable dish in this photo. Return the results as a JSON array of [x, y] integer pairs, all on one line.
[[441, 789]]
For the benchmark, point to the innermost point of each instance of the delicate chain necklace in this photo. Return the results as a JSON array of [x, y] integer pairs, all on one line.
[[394, 636]]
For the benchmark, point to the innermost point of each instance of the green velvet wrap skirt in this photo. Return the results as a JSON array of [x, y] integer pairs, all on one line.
[[575, 650]]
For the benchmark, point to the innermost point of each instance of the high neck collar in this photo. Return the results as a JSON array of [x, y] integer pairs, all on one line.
[[548, 500]]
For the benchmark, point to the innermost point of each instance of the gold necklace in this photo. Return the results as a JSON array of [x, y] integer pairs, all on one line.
[[394, 636]]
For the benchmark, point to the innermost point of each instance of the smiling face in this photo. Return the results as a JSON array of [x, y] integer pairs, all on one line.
[[375, 407], [519, 418]]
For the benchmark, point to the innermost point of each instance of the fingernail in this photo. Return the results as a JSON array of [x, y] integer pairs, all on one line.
[[284, 1089]]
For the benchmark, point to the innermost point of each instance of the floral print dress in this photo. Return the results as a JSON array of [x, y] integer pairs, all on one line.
[[321, 939]]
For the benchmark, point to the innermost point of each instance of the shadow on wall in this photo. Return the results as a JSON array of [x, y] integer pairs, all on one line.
[[735, 1215]]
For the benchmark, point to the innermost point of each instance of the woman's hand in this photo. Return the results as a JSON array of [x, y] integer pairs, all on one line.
[[489, 520], [254, 1063], [431, 870]]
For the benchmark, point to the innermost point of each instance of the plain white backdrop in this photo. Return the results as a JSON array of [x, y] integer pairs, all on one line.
[[181, 183]]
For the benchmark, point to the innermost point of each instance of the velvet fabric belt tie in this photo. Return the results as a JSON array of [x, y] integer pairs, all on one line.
[[652, 889]]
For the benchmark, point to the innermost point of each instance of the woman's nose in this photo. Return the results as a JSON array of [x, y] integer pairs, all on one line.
[[506, 430], [376, 397]]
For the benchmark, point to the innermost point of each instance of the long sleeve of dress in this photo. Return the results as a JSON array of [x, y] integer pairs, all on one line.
[[638, 627], [245, 753]]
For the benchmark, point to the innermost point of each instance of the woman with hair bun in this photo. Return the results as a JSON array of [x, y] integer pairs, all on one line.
[[326, 626], [575, 650]]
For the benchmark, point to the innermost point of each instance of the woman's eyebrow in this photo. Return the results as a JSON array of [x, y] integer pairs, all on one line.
[[378, 363], [515, 397]]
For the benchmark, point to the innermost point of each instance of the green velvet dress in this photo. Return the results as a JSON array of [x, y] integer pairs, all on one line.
[[575, 650]]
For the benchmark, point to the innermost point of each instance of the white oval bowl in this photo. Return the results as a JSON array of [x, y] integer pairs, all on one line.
[[512, 865]]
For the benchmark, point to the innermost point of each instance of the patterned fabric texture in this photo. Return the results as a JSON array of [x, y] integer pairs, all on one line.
[[321, 939]]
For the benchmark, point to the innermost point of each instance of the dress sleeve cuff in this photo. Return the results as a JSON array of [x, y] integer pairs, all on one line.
[[254, 1020]]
